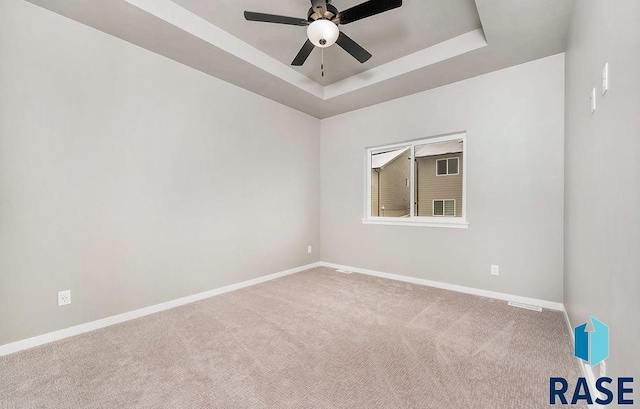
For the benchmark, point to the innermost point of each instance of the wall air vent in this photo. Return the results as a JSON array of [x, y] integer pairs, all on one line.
[[525, 306]]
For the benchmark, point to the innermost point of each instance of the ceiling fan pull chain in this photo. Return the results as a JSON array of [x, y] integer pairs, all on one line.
[[322, 61]]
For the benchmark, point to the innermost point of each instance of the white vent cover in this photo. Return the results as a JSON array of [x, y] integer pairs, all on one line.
[[525, 306]]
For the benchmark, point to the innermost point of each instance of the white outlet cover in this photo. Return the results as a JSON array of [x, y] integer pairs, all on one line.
[[309, 249], [64, 298], [495, 269]]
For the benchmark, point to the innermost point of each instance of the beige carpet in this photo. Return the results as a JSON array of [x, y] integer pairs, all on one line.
[[317, 339]]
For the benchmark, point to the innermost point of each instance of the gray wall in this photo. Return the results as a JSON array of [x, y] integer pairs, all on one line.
[[132, 180], [602, 169], [514, 120]]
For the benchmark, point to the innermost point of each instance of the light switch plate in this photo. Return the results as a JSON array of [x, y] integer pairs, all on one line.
[[605, 78], [593, 100]]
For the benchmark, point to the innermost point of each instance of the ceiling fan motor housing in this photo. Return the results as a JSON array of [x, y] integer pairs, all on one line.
[[330, 14]]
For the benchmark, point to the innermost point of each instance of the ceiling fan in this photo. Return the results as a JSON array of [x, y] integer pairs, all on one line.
[[322, 24]]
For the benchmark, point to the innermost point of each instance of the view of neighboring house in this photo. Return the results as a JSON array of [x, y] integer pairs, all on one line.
[[439, 181], [390, 193]]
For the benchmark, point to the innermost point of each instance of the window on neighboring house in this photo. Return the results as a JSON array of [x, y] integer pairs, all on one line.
[[405, 183], [444, 207], [447, 166]]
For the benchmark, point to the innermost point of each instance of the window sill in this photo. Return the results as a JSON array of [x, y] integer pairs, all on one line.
[[399, 221]]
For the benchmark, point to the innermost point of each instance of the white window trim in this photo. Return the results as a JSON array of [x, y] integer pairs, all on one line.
[[433, 207], [413, 220], [449, 222], [447, 161]]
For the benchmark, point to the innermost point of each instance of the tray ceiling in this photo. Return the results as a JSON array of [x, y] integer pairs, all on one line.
[[387, 36], [422, 45]]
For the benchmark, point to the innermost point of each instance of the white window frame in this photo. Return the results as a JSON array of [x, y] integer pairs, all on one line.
[[433, 207], [447, 159], [413, 220]]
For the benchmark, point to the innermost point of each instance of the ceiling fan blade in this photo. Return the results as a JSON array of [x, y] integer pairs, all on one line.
[[319, 5], [303, 54], [367, 9], [271, 18], [353, 48]]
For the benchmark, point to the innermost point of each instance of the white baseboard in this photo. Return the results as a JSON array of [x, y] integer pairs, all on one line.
[[585, 368], [591, 380], [566, 318], [116, 319], [452, 287]]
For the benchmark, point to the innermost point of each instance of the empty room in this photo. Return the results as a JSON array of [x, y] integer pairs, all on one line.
[[319, 204]]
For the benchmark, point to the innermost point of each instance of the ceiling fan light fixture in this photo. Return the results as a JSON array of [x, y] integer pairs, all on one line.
[[323, 33]]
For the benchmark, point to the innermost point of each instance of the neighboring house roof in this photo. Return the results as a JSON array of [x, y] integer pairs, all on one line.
[[380, 160], [440, 148]]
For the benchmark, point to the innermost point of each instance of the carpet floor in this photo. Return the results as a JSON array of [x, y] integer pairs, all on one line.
[[316, 339]]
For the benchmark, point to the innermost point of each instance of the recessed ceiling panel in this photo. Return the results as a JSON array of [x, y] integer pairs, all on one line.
[[416, 25], [446, 32]]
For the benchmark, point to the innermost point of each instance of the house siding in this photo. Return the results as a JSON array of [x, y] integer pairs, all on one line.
[[394, 195], [431, 187]]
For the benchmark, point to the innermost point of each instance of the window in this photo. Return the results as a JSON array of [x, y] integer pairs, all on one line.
[[417, 183], [390, 190], [447, 166], [445, 207]]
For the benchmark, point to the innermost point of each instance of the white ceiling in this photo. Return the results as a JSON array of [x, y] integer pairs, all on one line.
[[422, 45]]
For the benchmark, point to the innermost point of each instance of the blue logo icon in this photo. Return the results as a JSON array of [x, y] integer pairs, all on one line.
[[598, 339]]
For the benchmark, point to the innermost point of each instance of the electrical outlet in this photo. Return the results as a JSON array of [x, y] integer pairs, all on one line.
[[495, 270], [64, 298], [309, 249]]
